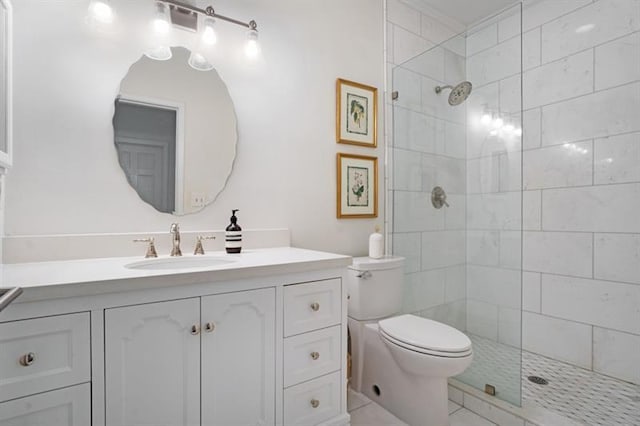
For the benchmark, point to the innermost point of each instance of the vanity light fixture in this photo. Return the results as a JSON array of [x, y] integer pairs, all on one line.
[[185, 16], [161, 21]]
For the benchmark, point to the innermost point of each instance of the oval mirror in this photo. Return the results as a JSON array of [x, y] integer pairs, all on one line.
[[175, 133]]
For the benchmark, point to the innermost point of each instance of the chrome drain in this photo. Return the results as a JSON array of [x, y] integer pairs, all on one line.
[[538, 380]]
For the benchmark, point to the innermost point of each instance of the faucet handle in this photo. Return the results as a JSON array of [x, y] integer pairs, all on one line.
[[199, 248], [151, 249]]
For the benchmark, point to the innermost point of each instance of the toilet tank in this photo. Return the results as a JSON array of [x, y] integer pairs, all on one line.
[[375, 287]]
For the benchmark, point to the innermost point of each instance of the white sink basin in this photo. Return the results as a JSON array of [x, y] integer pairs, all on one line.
[[190, 262]]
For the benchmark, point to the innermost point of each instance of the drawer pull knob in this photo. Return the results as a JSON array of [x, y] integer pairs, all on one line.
[[315, 355], [209, 327], [315, 403], [315, 306], [27, 359], [195, 329]]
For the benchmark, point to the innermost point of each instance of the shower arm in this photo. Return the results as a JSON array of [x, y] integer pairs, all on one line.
[[440, 88]]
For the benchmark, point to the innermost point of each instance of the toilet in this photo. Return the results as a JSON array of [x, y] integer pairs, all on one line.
[[401, 362]]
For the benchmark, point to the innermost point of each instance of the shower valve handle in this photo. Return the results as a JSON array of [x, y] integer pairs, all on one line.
[[439, 198]]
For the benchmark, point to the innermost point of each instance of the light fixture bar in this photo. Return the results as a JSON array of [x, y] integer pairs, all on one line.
[[209, 11]]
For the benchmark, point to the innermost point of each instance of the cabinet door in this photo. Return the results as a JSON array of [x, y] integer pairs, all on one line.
[[64, 407], [238, 358], [152, 364]]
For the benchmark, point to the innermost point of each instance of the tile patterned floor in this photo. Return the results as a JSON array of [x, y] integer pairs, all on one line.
[[579, 394], [364, 412]]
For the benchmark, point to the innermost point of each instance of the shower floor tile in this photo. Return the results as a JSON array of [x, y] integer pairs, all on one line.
[[582, 395]]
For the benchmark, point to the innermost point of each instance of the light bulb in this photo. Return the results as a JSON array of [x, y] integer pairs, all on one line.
[[251, 48], [198, 62], [209, 35], [486, 119], [518, 132], [101, 11], [161, 23], [160, 53]]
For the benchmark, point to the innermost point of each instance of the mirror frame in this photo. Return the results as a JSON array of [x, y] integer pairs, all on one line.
[[6, 78]]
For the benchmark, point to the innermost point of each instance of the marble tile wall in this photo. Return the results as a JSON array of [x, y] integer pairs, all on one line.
[[581, 176]]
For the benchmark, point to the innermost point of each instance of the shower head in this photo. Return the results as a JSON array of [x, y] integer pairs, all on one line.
[[458, 94]]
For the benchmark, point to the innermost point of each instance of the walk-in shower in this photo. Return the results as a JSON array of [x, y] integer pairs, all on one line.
[[510, 259]]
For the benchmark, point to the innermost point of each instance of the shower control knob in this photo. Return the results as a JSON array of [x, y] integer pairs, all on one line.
[[439, 198]]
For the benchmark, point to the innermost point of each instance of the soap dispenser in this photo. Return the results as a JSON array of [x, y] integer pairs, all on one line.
[[233, 237]]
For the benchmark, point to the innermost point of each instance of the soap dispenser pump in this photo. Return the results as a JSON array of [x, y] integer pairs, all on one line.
[[233, 236]]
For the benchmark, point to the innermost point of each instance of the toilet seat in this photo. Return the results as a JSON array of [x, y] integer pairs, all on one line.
[[425, 336]]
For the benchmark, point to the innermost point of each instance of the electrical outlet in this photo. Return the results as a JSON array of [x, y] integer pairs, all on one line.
[[197, 199]]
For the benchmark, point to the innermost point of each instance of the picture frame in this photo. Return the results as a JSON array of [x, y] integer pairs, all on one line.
[[356, 114], [357, 186]]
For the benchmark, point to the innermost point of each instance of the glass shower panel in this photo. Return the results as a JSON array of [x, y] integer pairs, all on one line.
[[464, 259]]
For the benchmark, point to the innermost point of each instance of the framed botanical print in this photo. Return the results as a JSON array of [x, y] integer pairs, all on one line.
[[357, 189], [356, 113]]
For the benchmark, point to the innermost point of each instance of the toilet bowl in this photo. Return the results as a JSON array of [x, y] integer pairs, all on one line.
[[401, 362]]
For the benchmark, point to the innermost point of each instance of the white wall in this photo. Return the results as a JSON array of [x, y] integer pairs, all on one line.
[[66, 178]]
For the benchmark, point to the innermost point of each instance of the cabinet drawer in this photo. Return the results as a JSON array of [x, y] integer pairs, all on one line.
[[63, 407], [312, 306], [311, 355], [313, 402], [43, 353]]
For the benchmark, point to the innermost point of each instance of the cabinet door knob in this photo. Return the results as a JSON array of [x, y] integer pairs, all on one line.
[[209, 327], [315, 306], [315, 355], [27, 359], [315, 403], [195, 329]]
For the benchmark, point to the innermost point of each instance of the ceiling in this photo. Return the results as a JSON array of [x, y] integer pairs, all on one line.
[[467, 12]]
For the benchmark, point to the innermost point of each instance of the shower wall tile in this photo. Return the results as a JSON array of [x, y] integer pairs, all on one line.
[[429, 64], [495, 63], [616, 354], [498, 286], [617, 158], [483, 175], [511, 249], [494, 211], [531, 49], [510, 326], [408, 245], [413, 212], [454, 67], [590, 26], [455, 144], [418, 132], [556, 338], [449, 173], [531, 291], [597, 115], [482, 319], [511, 95], [559, 80], [483, 248], [407, 175], [482, 39], [602, 303], [424, 290], [403, 15], [441, 249], [564, 253], [409, 85], [455, 216], [453, 314], [511, 171], [509, 27], [601, 208], [617, 257], [558, 166], [541, 12], [532, 210], [437, 32], [531, 128], [407, 45], [625, 54], [456, 283]]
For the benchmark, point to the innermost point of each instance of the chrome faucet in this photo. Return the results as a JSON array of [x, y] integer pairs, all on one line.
[[175, 240]]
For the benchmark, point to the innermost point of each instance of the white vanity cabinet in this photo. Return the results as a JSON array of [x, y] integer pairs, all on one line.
[[168, 362]]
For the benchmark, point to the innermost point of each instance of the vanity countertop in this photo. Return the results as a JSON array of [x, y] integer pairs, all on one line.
[[42, 280]]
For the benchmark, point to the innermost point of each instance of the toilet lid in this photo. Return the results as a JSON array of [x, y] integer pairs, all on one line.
[[421, 333]]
